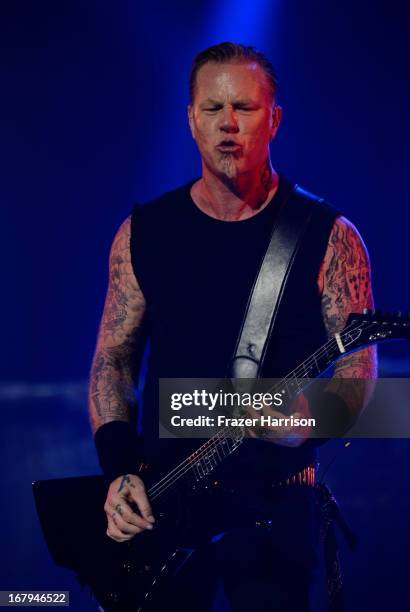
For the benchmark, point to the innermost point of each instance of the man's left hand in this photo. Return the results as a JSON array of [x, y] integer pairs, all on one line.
[[285, 435]]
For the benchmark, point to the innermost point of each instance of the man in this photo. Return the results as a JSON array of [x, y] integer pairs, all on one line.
[[186, 264]]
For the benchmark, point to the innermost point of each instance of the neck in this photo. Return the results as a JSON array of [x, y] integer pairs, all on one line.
[[238, 198]]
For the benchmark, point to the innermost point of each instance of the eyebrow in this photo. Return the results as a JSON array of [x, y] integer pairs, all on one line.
[[210, 101]]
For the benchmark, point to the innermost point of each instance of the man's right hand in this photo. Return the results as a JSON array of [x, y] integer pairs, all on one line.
[[123, 523]]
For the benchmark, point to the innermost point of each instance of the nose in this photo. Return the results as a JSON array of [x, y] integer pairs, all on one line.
[[229, 122]]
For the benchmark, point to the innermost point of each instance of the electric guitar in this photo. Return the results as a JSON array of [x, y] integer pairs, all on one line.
[[133, 576]]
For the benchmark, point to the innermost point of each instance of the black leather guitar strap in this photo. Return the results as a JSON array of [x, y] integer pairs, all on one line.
[[266, 295]]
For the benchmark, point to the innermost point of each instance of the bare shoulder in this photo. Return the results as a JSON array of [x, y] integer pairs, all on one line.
[[346, 242], [120, 248], [345, 279], [125, 304]]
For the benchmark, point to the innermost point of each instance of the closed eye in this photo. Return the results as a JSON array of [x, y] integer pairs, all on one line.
[[236, 107], [245, 107], [213, 109]]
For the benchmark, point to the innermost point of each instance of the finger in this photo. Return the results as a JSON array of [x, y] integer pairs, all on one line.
[[118, 509], [255, 414], [253, 431], [139, 496], [265, 411], [127, 528], [114, 533], [129, 516], [133, 487], [300, 404], [266, 431]]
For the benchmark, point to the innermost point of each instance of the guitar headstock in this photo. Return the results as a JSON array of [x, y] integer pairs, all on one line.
[[373, 326]]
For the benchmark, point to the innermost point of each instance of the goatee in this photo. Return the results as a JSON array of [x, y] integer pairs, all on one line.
[[228, 166]]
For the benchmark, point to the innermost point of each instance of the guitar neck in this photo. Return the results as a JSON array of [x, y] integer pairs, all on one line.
[[312, 367], [361, 330]]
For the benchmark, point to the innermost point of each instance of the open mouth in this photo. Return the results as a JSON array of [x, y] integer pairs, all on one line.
[[228, 146]]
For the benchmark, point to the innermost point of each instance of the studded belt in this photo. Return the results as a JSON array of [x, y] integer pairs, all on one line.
[[306, 477]]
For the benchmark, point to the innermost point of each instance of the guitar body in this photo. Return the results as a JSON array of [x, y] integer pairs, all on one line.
[[137, 576], [133, 576]]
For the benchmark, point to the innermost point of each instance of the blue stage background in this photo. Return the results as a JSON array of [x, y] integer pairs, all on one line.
[[93, 120]]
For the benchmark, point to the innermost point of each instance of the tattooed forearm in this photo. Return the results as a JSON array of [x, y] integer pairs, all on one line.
[[111, 395], [361, 364], [111, 391], [346, 288]]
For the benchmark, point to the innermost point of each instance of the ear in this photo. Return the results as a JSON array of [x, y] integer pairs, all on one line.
[[276, 119], [191, 120]]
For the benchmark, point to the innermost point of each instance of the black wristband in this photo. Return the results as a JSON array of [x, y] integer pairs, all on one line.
[[118, 449], [332, 415]]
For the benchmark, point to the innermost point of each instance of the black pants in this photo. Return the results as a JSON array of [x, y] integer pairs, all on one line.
[[255, 569]]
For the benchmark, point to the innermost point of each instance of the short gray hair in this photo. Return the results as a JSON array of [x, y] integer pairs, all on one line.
[[226, 52]]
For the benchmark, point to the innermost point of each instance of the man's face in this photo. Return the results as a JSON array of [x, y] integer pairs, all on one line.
[[233, 118]]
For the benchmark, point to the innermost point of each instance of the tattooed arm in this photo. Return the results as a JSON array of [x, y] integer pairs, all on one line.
[[345, 285], [111, 397]]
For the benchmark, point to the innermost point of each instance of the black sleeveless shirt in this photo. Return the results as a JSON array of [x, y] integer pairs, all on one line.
[[196, 274]]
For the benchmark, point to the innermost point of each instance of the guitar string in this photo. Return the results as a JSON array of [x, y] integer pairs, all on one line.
[[190, 461], [223, 434], [203, 450]]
